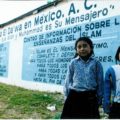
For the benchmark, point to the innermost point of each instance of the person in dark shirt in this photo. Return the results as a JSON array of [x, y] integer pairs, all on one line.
[[83, 87]]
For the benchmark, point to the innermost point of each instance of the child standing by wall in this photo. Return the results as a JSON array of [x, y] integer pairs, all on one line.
[[84, 83], [112, 89]]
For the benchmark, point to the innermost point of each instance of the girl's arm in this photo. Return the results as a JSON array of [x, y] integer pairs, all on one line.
[[107, 91], [100, 77], [68, 80], [109, 84]]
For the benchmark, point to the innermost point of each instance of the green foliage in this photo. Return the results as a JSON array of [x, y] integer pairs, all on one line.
[[19, 103]]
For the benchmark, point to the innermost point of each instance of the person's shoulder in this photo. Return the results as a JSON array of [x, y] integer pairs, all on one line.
[[73, 60], [115, 67], [96, 60], [110, 69]]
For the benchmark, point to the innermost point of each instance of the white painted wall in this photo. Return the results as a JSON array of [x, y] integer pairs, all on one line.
[[22, 73]]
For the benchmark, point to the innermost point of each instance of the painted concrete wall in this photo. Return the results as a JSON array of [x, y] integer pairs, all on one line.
[[36, 50]]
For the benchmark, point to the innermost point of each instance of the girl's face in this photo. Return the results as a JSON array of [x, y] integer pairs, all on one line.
[[83, 48]]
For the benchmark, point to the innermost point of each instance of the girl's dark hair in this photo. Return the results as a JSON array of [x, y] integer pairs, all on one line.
[[86, 39], [117, 54]]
